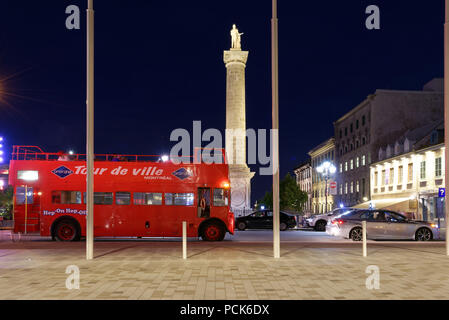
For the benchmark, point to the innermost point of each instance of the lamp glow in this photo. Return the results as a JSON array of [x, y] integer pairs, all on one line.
[[164, 158]]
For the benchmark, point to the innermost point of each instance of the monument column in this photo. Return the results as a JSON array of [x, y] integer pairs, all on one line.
[[239, 173]]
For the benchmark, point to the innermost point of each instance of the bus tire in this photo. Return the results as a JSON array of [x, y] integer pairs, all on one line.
[[213, 231], [67, 230]]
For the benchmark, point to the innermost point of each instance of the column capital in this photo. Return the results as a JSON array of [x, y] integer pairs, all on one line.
[[235, 56]]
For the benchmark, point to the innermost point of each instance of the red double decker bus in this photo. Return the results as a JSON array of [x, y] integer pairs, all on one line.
[[134, 196]]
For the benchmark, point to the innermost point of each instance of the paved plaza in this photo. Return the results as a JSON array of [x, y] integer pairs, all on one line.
[[34, 268]]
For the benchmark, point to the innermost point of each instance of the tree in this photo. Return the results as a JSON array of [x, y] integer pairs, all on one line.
[[291, 197], [6, 197]]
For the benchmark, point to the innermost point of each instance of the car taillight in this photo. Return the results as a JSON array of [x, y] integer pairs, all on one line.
[[337, 222]]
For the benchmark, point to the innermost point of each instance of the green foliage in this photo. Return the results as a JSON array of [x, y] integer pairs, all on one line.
[[6, 197], [291, 197]]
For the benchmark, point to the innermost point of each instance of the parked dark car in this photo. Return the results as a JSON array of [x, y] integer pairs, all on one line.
[[263, 219]]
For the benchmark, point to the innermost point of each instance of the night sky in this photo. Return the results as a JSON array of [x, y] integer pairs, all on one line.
[[159, 66]]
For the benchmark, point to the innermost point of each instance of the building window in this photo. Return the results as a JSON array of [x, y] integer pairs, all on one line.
[[350, 128], [376, 177], [341, 188], [363, 160], [422, 172], [391, 177], [341, 167], [400, 174], [346, 131], [346, 166], [384, 177], [352, 164], [438, 167], [410, 172], [357, 186], [352, 187], [346, 188], [363, 141], [341, 134], [357, 162], [363, 120], [357, 124]]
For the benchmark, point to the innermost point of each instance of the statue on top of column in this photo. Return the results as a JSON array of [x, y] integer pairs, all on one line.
[[235, 38]]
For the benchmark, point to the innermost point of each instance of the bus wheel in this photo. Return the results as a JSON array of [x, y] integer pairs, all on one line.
[[213, 232], [66, 231]]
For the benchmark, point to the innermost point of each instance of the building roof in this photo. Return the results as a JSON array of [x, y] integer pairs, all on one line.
[[330, 141]]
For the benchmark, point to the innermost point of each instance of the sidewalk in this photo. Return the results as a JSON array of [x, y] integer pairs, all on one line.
[[225, 270]]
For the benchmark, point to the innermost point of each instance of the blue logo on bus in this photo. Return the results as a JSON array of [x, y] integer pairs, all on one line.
[[182, 173], [62, 172]]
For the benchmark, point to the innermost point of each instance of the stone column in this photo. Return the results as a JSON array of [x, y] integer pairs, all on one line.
[[239, 173]]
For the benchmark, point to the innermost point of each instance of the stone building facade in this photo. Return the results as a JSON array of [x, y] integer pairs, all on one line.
[[323, 152], [304, 180], [408, 177], [379, 120]]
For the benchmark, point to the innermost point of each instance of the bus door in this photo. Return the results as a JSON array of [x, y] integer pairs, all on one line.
[[27, 209], [203, 205]]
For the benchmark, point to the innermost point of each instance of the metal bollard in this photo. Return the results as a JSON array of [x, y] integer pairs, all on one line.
[[364, 237], [184, 240]]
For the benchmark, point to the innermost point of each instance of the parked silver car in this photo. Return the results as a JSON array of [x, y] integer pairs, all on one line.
[[381, 224], [319, 221]]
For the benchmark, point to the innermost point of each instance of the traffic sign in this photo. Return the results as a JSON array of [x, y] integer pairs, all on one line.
[[441, 192], [333, 188]]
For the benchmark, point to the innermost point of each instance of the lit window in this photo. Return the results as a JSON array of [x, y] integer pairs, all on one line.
[[346, 166], [179, 199], [357, 162], [66, 197], [438, 167], [341, 167], [352, 164], [346, 188], [20, 195], [27, 175], [123, 198], [357, 186], [363, 160], [147, 198], [423, 170], [220, 197], [352, 187]]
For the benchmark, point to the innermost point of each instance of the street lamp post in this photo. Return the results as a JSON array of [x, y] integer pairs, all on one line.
[[326, 169]]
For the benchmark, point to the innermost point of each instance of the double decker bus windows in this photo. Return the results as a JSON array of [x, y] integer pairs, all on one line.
[[220, 197], [20, 195], [179, 199], [27, 175], [101, 198], [147, 198], [122, 198], [66, 197]]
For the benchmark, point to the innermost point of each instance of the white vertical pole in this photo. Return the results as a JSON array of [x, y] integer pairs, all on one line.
[[446, 120], [90, 133], [184, 240], [275, 116], [26, 208], [364, 237]]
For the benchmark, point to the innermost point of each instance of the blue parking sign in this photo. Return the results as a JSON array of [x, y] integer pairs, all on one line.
[[441, 192]]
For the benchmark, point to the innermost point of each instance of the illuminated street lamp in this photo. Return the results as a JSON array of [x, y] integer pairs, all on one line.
[[326, 169]]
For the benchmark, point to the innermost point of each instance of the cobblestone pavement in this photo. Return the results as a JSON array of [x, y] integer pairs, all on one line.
[[226, 270]]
